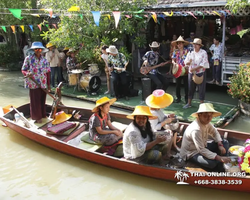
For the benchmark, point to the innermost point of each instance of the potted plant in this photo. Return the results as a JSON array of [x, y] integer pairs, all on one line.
[[239, 87]]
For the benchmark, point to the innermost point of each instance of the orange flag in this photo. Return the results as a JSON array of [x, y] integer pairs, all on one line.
[[13, 28]]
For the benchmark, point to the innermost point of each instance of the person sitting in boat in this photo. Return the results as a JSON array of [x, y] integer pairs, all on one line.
[[197, 145], [100, 128], [139, 143], [165, 122]]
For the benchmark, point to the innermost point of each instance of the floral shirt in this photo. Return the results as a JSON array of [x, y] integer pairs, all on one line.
[[134, 145], [198, 59], [153, 58], [117, 61], [217, 51], [70, 63], [39, 68], [180, 58]]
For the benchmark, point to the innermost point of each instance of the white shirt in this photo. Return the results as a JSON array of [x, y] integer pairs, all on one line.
[[195, 140], [156, 123], [134, 145], [53, 61], [198, 59]]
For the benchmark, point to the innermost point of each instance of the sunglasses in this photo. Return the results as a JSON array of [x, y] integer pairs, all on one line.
[[38, 49]]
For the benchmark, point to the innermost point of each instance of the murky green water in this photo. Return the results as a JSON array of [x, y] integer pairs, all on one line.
[[31, 171]]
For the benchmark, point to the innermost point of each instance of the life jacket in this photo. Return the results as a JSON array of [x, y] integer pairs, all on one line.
[[103, 120]]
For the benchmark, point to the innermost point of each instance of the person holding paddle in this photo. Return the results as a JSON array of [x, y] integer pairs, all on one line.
[[151, 58], [36, 67]]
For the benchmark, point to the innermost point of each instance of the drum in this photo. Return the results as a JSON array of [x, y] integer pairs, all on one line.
[[90, 83], [93, 69], [72, 79], [77, 71]]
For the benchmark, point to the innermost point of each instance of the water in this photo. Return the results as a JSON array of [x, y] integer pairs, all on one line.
[[31, 171]]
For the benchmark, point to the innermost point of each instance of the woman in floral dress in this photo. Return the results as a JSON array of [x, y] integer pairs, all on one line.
[[36, 67]]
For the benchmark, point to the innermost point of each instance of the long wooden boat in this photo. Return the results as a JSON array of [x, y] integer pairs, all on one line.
[[73, 146]]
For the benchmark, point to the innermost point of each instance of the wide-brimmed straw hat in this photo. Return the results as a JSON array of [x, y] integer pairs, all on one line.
[[61, 117], [180, 39], [154, 44], [142, 110], [206, 107], [112, 49], [197, 41], [71, 50], [49, 45], [102, 101], [159, 99], [37, 45]]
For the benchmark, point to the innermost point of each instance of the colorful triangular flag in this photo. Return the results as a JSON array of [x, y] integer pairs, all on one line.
[[4, 28], [117, 15], [96, 15], [22, 27], [16, 13]]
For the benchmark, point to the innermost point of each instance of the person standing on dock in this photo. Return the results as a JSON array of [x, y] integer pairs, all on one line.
[[105, 56], [36, 66], [195, 145], [197, 61]]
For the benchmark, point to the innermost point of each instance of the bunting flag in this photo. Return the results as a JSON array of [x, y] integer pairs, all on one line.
[[74, 8], [216, 13], [140, 11], [16, 13], [31, 27], [145, 16], [81, 16], [223, 12], [128, 16], [4, 28], [22, 27], [192, 14], [96, 15], [39, 26], [168, 14], [117, 15], [13, 28], [47, 25], [35, 15], [201, 13], [107, 15], [138, 16], [54, 26], [154, 16]]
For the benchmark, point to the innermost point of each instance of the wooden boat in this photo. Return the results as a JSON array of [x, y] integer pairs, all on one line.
[[70, 145]]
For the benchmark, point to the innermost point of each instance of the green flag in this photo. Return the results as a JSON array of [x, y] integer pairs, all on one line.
[[16, 13], [81, 16], [4, 28], [140, 11], [47, 25]]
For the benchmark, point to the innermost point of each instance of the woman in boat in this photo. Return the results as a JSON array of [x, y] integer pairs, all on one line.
[[157, 101], [36, 67], [195, 146], [100, 128], [139, 143]]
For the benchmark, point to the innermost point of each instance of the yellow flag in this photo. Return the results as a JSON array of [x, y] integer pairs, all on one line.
[[13, 28], [154, 16], [22, 27], [74, 8], [216, 13]]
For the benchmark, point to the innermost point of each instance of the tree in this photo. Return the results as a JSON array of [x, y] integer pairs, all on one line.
[[236, 5], [80, 29]]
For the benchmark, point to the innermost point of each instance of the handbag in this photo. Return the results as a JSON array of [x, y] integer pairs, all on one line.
[[197, 79]]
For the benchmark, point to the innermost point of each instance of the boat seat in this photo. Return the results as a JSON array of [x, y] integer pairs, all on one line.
[[120, 125]]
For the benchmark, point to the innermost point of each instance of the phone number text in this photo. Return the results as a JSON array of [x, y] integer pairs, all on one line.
[[218, 182]]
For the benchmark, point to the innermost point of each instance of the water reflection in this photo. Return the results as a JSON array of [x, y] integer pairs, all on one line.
[[31, 171]]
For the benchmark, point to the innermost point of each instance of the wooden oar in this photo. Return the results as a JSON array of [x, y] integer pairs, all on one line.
[[44, 89], [26, 121]]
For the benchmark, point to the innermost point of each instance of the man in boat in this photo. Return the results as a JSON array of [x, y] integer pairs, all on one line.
[[117, 65], [139, 143], [36, 67], [100, 128], [164, 122], [150, 59], [202, 143]]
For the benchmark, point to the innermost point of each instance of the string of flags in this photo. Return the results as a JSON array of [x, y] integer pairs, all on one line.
[[97, 15]]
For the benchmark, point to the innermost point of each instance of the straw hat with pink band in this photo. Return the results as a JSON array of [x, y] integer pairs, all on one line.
[[159, 99]]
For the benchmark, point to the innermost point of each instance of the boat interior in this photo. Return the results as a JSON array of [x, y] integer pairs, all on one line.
[[78, 136]]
